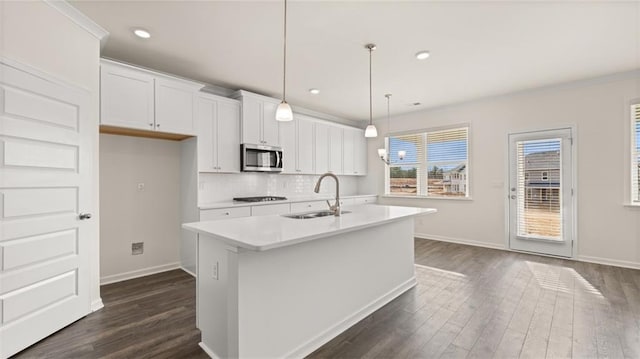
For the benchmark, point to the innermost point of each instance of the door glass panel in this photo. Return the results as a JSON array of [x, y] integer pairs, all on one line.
[[538, 189]]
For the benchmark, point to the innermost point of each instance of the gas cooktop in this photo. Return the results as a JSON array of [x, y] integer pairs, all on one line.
[[260, 199]]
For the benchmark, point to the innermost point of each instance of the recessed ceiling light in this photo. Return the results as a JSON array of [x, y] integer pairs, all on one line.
[[422, 55], [143, 34], [314, 91]]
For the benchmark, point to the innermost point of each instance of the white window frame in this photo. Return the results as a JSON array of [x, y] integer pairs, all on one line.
[[634, 187], [422, 165]]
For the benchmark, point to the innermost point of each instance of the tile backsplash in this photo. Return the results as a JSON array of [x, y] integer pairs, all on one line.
[[220, 187]]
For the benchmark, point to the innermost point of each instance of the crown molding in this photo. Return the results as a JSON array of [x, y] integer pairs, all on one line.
[[80, 19]]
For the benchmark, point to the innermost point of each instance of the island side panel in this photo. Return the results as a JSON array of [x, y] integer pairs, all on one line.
[[296, 298], [217, 299]]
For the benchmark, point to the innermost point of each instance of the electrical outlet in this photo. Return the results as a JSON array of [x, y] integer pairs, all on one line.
[[215, 271], [137, 248], [140, 187]]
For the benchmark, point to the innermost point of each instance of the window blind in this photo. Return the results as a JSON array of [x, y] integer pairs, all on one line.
[[435, 163], [635, 153], [539, 194], [447, 155]]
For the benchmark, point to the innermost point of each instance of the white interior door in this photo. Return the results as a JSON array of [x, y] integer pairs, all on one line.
[[45, 177], [540, 192]]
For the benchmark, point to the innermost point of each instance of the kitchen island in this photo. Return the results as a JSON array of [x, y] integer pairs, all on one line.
[[274, 287]]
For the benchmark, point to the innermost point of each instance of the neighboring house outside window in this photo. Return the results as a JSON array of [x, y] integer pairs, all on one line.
[[436, 163]]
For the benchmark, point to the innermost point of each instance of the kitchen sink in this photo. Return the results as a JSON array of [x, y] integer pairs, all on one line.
[[310, 215]]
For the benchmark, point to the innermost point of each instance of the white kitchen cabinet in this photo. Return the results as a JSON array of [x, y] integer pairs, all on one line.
[[296, 140], [366, 200], [321, 148], [258, 125], [224, 213], [297, 207], [140, 99], [347, 202], [354, 152], [270, 209], [348, 151], [174, 107], [218, 131], [360, 153], [126, 98], [335, 149]]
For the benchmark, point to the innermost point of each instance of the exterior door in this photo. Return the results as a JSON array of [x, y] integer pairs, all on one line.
[[540, 192], [45, 182]]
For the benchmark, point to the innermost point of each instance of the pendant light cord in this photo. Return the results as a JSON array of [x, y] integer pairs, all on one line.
[[370, 90], [284, 75]]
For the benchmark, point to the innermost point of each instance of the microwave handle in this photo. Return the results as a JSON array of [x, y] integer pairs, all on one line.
[[278, 160]]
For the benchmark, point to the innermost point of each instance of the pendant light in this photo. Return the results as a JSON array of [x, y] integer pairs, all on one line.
[[371, 130], [382, 152], [283, 112]]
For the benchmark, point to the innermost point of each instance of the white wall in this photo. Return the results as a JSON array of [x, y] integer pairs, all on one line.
[[220, 187], [128, 215], [608, 231], [36, 34]]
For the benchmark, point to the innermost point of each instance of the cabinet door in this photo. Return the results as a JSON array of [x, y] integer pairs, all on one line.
[[335, 149], [174, 107], [360, 153], [321, 148], [126, 98], [309, 206], [251, 120], [224, 213], [305, 146], [270, 209], [348, 149], [269, 124], [205, 130], [227, 147], [288, 137]]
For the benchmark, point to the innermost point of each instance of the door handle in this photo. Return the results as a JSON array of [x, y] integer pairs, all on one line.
[[84, 216]]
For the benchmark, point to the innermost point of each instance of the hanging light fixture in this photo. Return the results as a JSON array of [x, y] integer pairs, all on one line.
[[371, 130], [382, 152], [283, 112]]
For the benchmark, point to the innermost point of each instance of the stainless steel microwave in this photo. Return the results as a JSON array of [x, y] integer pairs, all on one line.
[[260, 158]]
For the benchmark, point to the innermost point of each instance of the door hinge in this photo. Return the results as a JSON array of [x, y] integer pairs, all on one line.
[[571, 139], [572, 191]]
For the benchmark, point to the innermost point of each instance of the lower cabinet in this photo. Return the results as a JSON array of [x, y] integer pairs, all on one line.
[[365, 200], [224, 213], [268, 209], [308, 206]]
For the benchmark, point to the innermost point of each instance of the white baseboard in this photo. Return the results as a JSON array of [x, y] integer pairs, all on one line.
[[581, 258], [324, 337], [188, 271], [208, 351], [609, 262], [460, 241], [97, 305], [138, 273]]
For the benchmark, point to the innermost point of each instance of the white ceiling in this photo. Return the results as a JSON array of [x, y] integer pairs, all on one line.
[[478, 49]]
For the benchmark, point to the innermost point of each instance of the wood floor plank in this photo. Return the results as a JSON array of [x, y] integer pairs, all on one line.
[[469, 302]]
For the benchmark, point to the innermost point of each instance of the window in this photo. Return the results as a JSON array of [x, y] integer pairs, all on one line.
[[635, 153], [545, 176], [435, 164]]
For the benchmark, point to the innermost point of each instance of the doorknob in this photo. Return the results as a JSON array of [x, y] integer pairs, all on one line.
[[513, 196], [84, 216]]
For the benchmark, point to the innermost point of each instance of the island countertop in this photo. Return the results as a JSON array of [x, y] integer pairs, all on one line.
[[261, 233]]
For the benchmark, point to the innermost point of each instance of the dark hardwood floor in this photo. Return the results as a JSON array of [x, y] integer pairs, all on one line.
[[469, 302]]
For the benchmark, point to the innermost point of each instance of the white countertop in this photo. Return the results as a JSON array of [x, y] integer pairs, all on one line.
[[261, 233], [290, 199]]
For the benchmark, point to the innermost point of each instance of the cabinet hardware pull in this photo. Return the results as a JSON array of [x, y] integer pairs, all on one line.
[[151, 124]]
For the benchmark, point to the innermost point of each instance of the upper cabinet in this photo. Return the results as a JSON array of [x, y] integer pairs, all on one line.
[[336, 152], [141, 99], [354, 152], [218, 131], [296, 140], [258, 124]]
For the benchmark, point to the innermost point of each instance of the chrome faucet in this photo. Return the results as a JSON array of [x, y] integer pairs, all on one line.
[[336, 207]]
